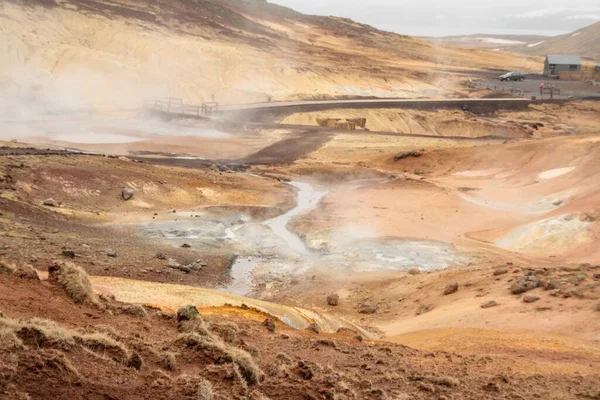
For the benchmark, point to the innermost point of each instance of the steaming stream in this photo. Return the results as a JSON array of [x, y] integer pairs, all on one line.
[[241, 270], [270, 253]]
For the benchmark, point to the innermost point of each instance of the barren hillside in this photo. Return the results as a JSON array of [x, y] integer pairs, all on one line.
[[68, 53]]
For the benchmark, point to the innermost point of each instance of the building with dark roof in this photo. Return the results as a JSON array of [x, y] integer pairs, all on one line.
[[556, 64]]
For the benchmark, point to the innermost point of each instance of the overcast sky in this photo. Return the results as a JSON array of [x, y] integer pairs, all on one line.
[[458, 17]]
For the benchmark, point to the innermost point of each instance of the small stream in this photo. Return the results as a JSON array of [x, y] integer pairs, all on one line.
[[241, 270]]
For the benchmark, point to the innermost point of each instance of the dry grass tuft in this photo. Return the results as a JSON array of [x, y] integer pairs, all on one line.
[[8, 336], [135, 310], [194, 326], [223, 353], [167, 361], [226, 330], [284, 359], [59, 362], [106, 346], [7, 269], [205, 390], [250, 371], [26, 271], [74, 280], [44, 333], [447, 381]]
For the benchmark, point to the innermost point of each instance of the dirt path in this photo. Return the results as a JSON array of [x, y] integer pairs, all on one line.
[[289, 150]]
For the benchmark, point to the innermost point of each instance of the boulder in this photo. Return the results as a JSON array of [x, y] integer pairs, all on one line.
[[524, 284], [111, 253], [500, 271], [127, 193], [333, 299], [161, 256], [452, 287], [187, 313], [414, 271], [367, 308], [50, 202], [186, 246]]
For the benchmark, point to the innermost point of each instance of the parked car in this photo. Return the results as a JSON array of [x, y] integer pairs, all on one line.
[[513, 76]]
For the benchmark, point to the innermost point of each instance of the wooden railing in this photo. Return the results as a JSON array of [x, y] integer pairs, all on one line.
[[497, 88], [173, 105]]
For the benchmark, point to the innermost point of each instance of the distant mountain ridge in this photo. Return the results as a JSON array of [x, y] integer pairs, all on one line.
[[488, 41], [584, 42]]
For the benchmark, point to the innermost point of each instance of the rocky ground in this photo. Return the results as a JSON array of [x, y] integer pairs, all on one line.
[[501, 322], [465, 262], [100, 348]]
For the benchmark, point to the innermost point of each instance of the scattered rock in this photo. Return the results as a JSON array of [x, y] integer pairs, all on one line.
[[524, 284], [304, 370], [407, 154], [451, 288], [314, 327], [573, 293], [127, 193], [333, 299], [187, 313], [530, 299], [424, 308], [414, 271], [270, 324], [367, 308], [500, 271], [492, 387], [50, 202], [577, 279], [489, 304], [172, 263], [111, 253], [551, 285], [68, 253], [135, 361]]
